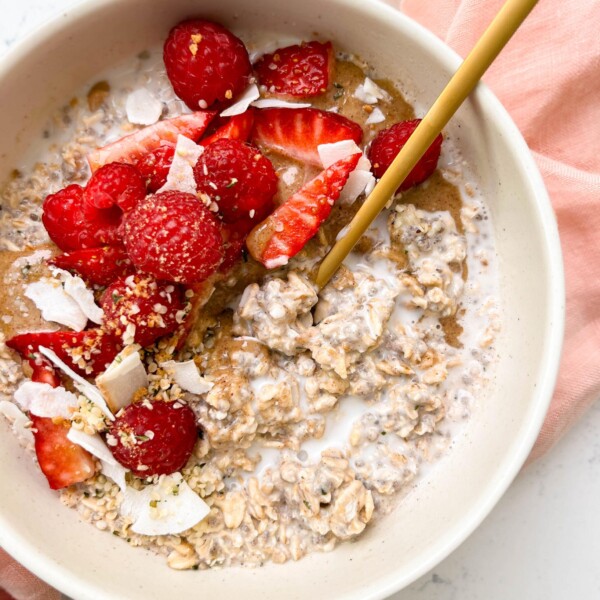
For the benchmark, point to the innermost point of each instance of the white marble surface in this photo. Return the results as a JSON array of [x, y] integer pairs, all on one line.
[[543, 538]]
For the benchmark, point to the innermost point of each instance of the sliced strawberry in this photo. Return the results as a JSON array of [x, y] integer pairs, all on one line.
[[238, 127], [287, 230], [43, 371], [297, 71], [132, 147], [297, 132], [98, 266], [86, 352], [62, 462]]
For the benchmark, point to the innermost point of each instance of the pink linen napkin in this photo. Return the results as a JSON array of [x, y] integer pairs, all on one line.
[[548, 78]]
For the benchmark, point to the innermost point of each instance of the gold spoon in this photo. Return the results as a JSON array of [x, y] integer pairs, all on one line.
[[489, 45]]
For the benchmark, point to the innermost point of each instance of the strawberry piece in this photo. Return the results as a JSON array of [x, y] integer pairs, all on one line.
[[390, 141], [297, 71], [71, 225], [154, 166], [97, 266], [43, 371], [286, 231], [238, 127], [115, 184], [297, 132], [205, 63], [174, 237], [238, 178], [62, 462], [166, 450], [234, 241], [88, 352], [131, 148], [150, 306]]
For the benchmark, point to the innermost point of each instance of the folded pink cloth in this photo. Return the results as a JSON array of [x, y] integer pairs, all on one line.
[[548, 78]]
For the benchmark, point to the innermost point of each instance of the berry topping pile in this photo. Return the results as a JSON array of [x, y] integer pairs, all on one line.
[[165, 218]]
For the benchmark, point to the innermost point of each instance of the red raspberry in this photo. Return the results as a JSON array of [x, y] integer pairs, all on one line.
[[71, 225], [234, 240], [205, 63], [115, 184], [174, 237], [150, 305], [154, 166], [238, 178], [390, 141], [154, 439]]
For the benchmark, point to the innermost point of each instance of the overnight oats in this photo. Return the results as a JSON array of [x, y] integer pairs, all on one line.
[[165, 352]]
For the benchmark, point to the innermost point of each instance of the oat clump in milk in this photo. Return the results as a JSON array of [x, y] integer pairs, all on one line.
[[215, 405]]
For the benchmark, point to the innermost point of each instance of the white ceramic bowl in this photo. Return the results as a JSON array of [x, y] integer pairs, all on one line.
[[42, 73]]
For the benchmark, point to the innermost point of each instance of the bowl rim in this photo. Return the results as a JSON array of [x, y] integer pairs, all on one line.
[[76, 586]]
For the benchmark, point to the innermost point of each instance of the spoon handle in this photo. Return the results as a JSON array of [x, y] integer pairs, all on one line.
[[462, 83]]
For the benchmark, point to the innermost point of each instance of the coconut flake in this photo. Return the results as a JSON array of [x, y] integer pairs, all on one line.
[[290, 175], [55, 304], [249, 95], [167, 507], [122, 379], [116, 472], [275, 103], [278, 261], [143, 108], [359, 179], [332, 153], [357, 183], [94, 444], [369, 92], [43, 400], [375, 117], [187, 377], [181, 172], [91, 392], [75, 287], [19, 422]]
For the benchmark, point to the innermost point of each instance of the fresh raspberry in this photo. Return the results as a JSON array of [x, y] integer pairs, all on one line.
[[174, 237], [205, 63], [298, 71], [115, 184], [390, 141], [154, 166], [72, 226], [238, 178], [150, 306], [154, 438]]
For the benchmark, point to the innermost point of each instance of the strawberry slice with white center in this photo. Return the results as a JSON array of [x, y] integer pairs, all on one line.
[[132, 147], [62, 462], [287, 230], [298, 132]]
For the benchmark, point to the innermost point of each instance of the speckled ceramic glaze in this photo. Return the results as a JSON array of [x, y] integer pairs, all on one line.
[[445, 506]]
